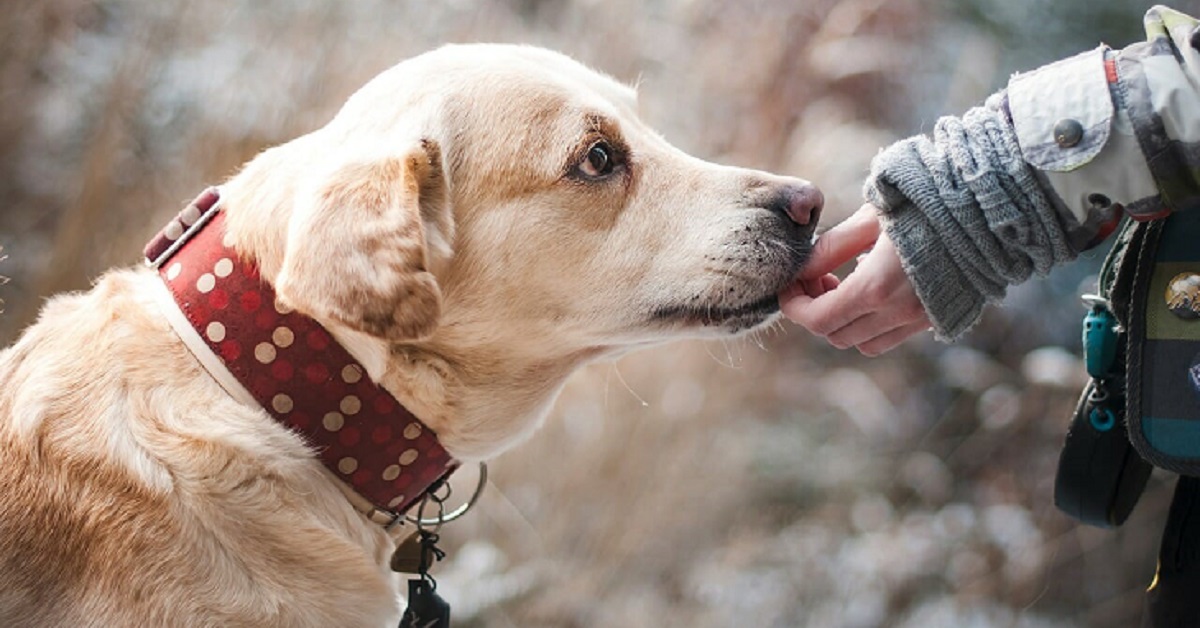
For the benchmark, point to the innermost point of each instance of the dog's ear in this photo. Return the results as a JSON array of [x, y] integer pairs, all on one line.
[[361, 242]]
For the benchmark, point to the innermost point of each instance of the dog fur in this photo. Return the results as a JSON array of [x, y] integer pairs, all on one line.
[[452, 230]]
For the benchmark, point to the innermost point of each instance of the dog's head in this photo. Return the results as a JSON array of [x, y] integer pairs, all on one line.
[[504, 187], [507, 201]]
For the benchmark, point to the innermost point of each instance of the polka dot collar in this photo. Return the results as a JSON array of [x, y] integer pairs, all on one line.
[[291, 367]]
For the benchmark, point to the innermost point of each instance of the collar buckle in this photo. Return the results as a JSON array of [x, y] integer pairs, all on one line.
[[420, 521]]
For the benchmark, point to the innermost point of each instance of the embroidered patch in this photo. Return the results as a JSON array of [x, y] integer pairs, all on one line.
[[1183, 295]]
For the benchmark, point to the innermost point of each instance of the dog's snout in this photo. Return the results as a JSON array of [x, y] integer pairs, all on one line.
[[801, 202]]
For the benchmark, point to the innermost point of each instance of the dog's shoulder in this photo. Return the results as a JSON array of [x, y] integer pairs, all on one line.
[[130, 481]]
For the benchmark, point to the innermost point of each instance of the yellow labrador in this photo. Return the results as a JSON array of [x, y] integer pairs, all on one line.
[[474, 225]]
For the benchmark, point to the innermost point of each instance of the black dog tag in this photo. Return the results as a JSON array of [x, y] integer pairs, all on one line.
[[426, 609], [409, 556]]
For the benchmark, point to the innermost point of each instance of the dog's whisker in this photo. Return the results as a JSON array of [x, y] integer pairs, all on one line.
[[756, 338], [621, 378]]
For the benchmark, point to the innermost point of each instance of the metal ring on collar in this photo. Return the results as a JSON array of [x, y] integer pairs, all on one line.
[[457, 512]]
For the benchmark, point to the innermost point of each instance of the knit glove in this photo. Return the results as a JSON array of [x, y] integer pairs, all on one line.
[[967, 215]]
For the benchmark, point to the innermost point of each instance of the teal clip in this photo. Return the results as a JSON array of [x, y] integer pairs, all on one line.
[[1103, 419], [1099, 337]]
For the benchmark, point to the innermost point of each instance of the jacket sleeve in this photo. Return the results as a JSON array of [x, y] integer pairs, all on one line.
[[1044, 169], [1139, 109]]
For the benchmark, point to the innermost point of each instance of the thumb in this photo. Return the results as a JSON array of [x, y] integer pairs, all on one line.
[[843, 242]]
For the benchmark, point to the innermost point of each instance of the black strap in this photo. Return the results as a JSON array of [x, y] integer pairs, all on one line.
[[1172, 600], [1120, 267]]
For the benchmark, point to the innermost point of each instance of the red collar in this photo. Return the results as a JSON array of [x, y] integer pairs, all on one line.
[[292, 367]]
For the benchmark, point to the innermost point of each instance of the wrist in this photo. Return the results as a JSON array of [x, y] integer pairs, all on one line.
[[952, 302]]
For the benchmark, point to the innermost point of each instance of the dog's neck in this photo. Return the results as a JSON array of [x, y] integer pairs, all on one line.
[[264, 354], [495, 398], [480, 397]]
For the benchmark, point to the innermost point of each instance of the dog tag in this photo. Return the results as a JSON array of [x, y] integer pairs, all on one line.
[[426, 609], [407, 557]]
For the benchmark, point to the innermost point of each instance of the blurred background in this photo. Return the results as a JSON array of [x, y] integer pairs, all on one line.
[[768, 481]]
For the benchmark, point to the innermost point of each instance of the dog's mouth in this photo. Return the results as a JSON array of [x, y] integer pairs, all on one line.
[[732, 318], [741, 283]]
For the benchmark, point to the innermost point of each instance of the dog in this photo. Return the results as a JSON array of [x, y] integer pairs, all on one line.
[[474, 225]]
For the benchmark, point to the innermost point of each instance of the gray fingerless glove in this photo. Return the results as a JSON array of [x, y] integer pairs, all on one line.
[[967, 215]]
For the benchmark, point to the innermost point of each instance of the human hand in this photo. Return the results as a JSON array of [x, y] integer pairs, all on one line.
[[875, 308]]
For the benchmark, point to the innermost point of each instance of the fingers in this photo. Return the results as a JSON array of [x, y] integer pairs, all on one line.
[[824, 313], [894, 309], [810, 287], [868, 288], [843, 242], [874, 309], [892, 339], [876, 329], [819, 286]]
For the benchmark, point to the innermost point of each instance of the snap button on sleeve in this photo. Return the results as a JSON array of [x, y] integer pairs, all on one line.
[[1068, 132], [1063, 112]]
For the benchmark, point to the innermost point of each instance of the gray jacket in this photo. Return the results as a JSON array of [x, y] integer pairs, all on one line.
[[1044, 169]]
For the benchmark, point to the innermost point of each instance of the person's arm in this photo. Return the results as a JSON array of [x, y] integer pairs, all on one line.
[[1041, 171]]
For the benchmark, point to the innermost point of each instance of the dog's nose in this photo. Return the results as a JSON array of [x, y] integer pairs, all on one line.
[[801, 202]]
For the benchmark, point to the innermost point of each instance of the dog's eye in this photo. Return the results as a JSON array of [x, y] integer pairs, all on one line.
[[599, 160]]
